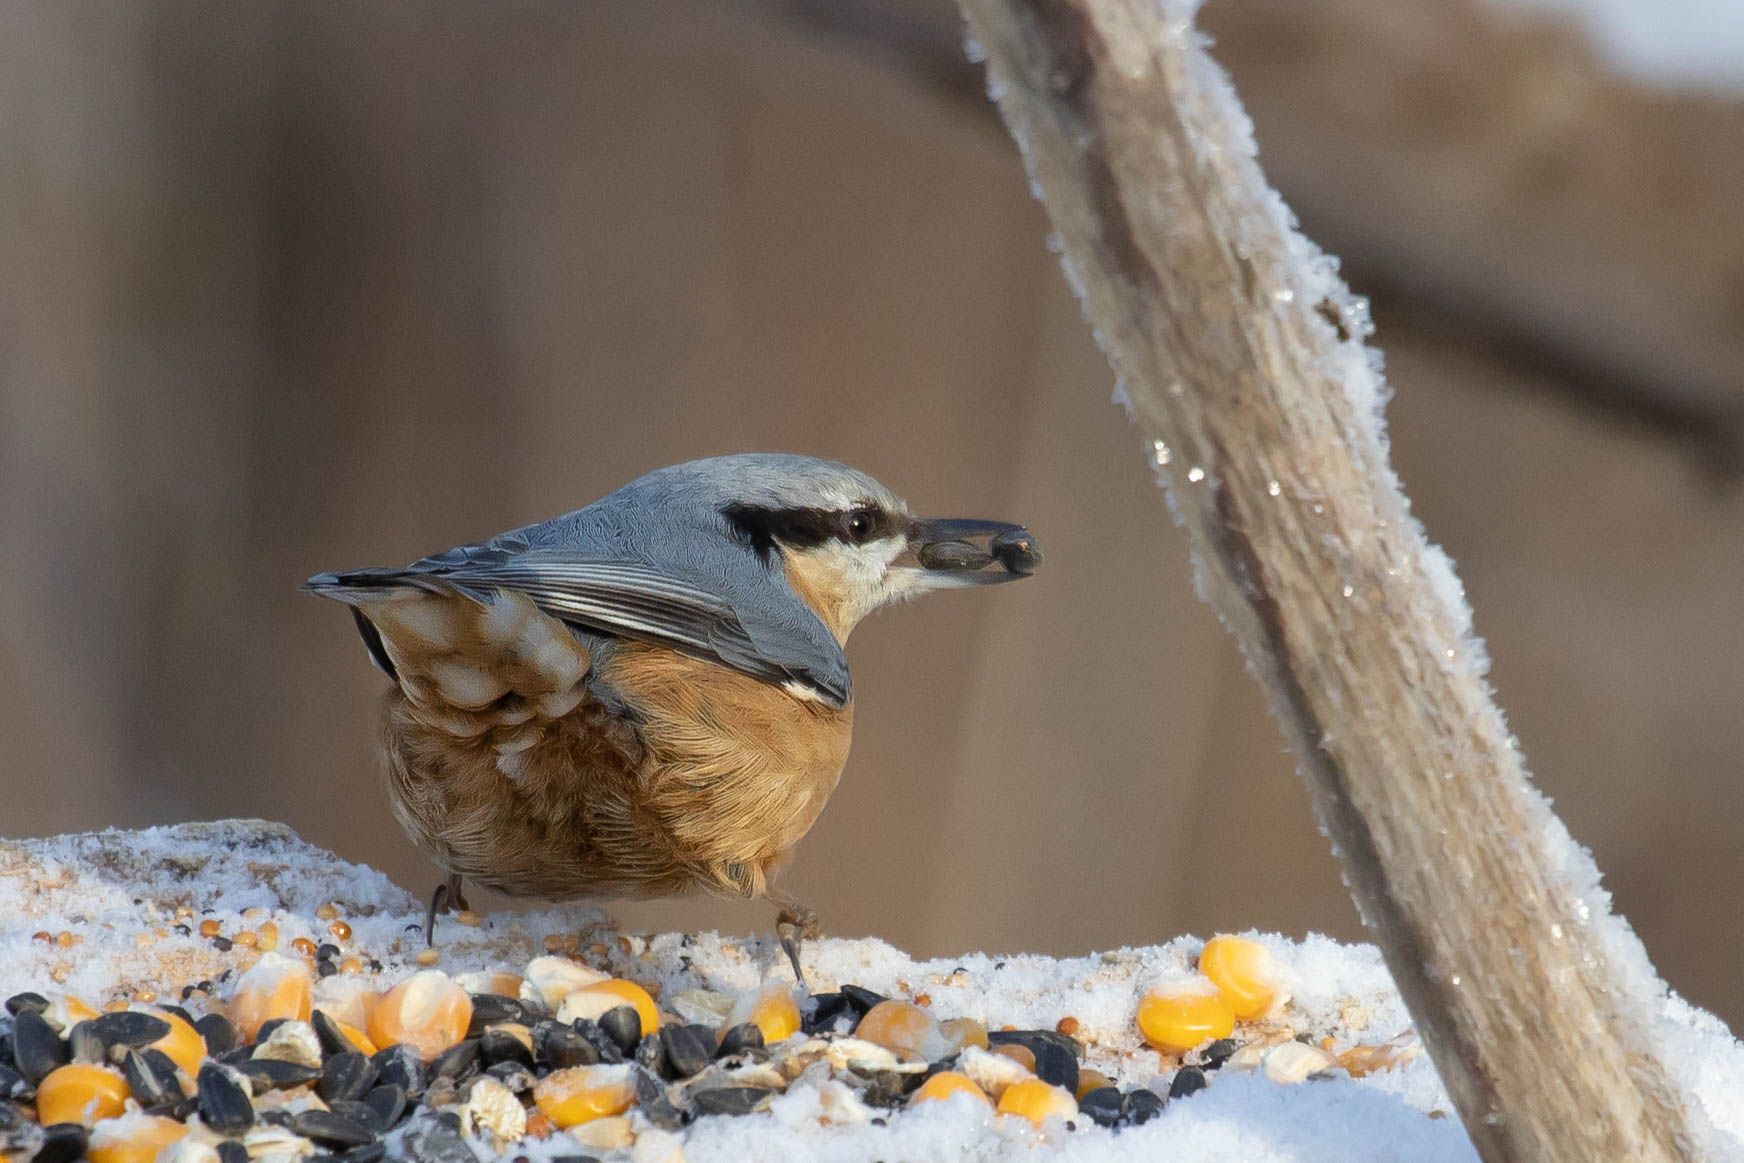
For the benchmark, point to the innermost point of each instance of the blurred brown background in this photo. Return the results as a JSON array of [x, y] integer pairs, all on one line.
[[293, 286]]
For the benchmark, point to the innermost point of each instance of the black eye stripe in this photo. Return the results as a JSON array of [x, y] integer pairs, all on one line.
[[804, 528]]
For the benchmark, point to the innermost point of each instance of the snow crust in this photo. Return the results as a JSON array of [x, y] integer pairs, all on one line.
[[118, 893]]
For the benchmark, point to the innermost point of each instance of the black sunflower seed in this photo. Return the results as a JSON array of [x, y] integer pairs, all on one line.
[[742, 1037], [345, 1076], [688, 1049], [729, 1100], [129, 1028], [273, 1074], [231, 1151], [489, 1009], [62, 1143], [861, 1000], [399, 1066], [655, 1103], [266, 1029], [1217, 1053], [85, 1045], [368, 1153], [36, 1048], [502, 1046], [19, 1002], [1188, 1080], [150, 1083], [623, 1025], [331, 1127], [1140, 1106], [388, 1102], [327, 1032], [14, 1085], [563, 1047], [609, 1050], [823, 1010], [224, 1105], [1055, 1065], [358, 1112], [218, 1034], [650, 1055], [457, 1063], [1102, 1106]]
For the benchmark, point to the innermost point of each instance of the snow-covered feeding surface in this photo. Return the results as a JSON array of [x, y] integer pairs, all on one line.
[[1684, 44], [119, 897]]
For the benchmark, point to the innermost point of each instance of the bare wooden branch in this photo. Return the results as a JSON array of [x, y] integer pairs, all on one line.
[[1244, 365]]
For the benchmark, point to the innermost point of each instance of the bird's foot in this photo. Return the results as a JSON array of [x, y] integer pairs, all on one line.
[[447, 893], [793, 926]]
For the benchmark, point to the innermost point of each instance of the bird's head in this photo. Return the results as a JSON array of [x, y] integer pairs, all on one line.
[[844, 543]]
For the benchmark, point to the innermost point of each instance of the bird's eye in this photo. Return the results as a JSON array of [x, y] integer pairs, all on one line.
[[859, 526]]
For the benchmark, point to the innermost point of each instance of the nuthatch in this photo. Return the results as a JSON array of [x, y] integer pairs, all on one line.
[[649, 694]]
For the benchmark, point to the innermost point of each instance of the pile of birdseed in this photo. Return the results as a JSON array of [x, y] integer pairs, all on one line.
[[218, 992]]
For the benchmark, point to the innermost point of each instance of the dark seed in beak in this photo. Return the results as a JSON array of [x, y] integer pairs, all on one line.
[[1016, 551], [951, 555]]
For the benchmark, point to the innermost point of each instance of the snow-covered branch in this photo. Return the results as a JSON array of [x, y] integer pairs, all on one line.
[[1243, 357]]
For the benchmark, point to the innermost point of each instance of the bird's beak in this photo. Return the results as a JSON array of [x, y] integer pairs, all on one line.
[[953, 551]]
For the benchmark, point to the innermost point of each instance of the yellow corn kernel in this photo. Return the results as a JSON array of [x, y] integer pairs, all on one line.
[[304, 946], [248, 939], [1022, 1055], [427, 1012], [341, 931], [771, 1009], [591, 1001], [209, 927], [1243, 973], [358, 1039], [468, 918], [964, 1032], [550, 979], [1067, 1025], [583, 1093], [1178, 1016], [428, 956], [183, 1043], [80, 1093], [1089, 1080], [327, 911], [901, 1025], [1037, 1101], [947, 1084], [494, 981], [66, 1011], [269, 937], [275, 987], [351, 965], [133, 1138]]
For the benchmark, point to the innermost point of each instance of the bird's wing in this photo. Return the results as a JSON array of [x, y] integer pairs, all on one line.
[[629, 599]]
